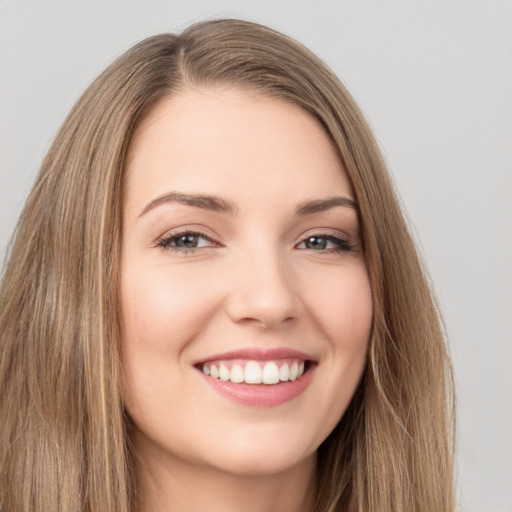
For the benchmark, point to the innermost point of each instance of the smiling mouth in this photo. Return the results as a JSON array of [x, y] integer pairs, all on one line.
[[247, 371]]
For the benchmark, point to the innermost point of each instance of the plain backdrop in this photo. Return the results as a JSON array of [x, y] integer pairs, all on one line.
[[434, 80]]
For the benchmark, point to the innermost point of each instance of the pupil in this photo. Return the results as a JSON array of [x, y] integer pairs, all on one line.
[[187, 241], [315, 242]]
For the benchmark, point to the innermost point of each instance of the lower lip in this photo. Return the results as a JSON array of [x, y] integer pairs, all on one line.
[[261, 395]]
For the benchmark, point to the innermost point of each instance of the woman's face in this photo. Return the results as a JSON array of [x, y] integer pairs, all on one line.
[[241, 263]]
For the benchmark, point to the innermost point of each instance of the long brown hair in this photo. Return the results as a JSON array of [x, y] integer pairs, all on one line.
[[64, 442]]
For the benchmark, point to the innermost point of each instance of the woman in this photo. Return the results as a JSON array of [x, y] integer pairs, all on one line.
[[212, 300]]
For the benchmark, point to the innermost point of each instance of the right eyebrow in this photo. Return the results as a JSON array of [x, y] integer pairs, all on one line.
[[206, 202]]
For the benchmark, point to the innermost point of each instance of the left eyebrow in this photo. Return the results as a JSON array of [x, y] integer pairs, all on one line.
[[321, 205]]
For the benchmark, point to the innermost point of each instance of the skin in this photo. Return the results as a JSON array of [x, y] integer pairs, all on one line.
[[253, 282]]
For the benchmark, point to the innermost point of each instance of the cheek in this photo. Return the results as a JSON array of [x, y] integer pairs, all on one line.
[[163, 309], [343, 307], [344, 312]]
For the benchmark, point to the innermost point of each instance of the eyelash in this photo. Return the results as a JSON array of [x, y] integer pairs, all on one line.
[[165, 243], [342, 245]]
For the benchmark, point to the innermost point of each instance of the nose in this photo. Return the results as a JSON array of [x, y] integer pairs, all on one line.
[[263, 291]]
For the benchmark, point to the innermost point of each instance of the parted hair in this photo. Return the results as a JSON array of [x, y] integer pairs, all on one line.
[[65, 443]]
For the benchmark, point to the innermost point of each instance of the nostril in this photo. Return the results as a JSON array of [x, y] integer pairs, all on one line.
[[263, 299]]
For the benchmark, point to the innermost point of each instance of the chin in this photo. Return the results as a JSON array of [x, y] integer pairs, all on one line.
[[261, 464], [261, 455]]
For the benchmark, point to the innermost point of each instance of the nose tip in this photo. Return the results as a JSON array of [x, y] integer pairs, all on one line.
[[264, 295]]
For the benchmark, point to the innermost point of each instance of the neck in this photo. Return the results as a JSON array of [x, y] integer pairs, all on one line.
[[180, 486]]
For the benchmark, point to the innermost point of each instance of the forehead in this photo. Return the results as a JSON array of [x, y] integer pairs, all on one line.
[[234, 143]]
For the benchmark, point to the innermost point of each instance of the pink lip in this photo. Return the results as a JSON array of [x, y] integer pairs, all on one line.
[[257, 354], [261, 395]]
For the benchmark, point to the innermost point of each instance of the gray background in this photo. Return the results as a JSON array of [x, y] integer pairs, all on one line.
[[435, 81]]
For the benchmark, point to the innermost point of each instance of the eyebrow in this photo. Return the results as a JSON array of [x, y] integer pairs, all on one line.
[[217, 204], [205, 202], [321, 205]]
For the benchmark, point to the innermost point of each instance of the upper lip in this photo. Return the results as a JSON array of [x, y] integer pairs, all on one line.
[[260, 354]]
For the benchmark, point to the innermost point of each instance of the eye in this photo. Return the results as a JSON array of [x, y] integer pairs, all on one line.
[[186, 241], [326, 243]]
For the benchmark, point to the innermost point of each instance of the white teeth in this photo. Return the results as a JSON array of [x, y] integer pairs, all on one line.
[[223, 373], [255, 372], [294, 370], [237, 373], [284, 372], [270, 373]]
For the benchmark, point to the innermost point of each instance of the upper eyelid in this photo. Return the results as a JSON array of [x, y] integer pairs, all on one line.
[[199, 230], [326, 232]]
